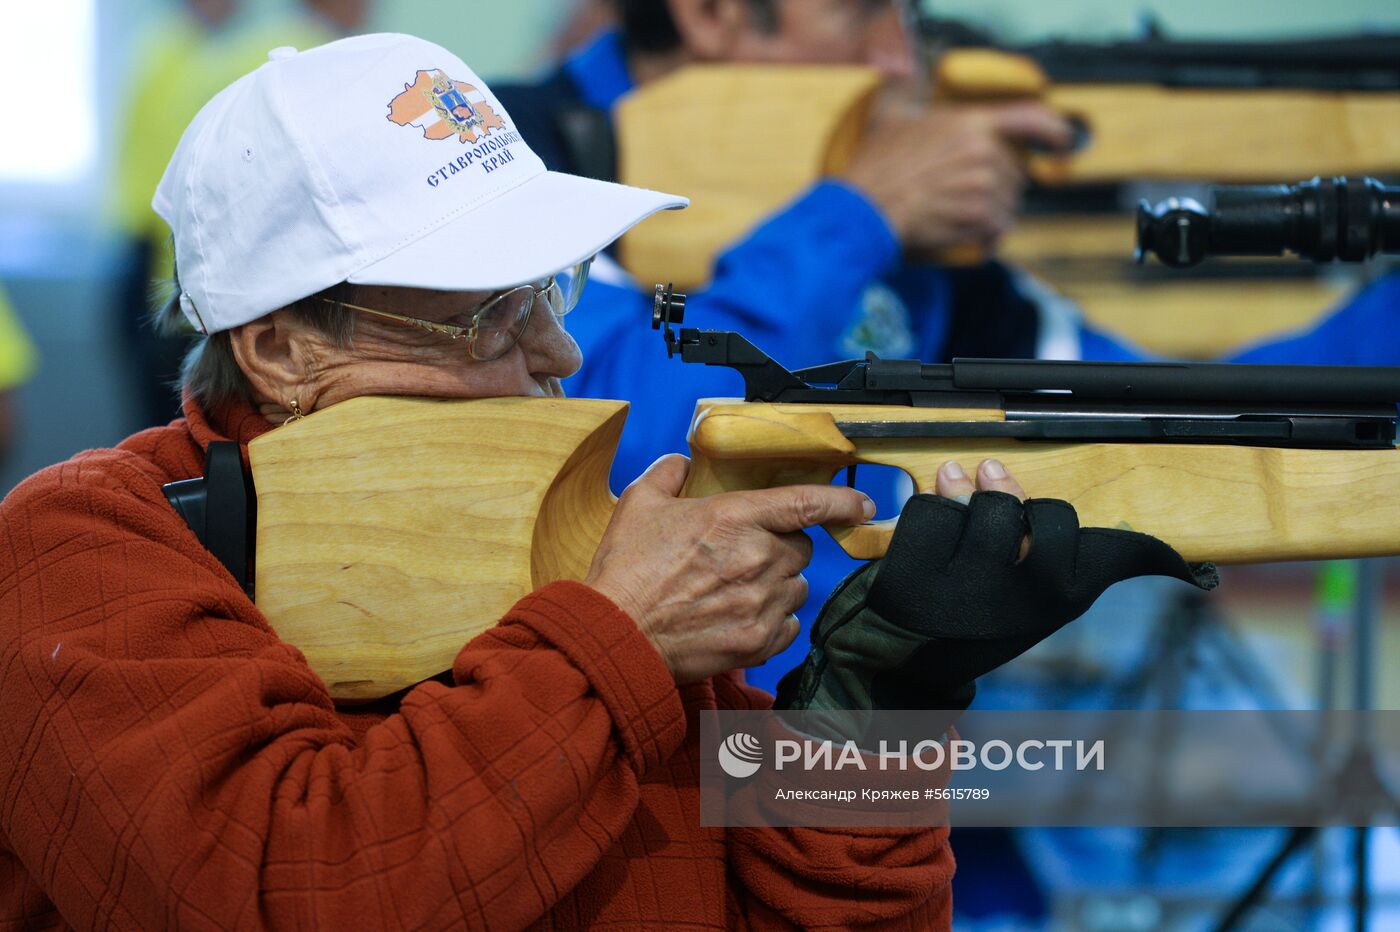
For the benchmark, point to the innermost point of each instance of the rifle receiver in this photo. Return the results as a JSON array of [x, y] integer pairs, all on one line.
[[1314, 407]]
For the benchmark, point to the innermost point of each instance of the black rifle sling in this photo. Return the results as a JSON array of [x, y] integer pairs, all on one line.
[[587, 136], [221, 508]]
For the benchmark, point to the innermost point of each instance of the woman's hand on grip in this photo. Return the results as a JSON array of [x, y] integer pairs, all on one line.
[[713, 582]]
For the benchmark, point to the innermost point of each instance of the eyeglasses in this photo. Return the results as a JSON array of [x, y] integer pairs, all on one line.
[[497, 325]]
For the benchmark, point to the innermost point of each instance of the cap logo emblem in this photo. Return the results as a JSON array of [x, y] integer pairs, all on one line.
[[443, 108]]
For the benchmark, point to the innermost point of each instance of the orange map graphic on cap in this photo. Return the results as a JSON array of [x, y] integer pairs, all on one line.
[[443, 108]]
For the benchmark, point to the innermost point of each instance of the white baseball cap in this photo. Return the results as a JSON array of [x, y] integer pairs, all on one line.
[[379, 160]]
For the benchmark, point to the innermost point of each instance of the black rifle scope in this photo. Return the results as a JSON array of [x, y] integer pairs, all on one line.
[[1326, 219]]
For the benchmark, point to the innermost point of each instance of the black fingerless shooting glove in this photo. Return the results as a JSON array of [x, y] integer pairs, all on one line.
[[951, 601]]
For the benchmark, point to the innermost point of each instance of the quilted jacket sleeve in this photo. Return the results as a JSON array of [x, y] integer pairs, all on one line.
[[166, 761], [835, 878]]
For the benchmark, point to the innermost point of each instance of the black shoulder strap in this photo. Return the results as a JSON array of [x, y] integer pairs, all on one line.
[[221, 508], [588, 139], [991, 318], [566, 133]]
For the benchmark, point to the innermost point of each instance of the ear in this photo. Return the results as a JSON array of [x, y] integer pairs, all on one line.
[[710, 30], [273, 353]]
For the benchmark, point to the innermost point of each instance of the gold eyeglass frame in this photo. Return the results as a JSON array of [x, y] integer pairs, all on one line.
[[470, 334]]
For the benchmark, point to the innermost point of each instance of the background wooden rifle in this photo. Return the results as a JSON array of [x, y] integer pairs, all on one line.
[[743, 140]]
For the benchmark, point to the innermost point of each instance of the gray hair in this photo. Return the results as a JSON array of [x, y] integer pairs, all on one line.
[[210, 372]]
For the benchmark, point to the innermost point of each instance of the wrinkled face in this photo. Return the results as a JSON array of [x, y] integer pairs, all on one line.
[[848, 32], [387, 357]]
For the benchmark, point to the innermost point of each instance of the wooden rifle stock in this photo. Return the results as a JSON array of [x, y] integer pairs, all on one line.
[[1227, 504], [392, 530]]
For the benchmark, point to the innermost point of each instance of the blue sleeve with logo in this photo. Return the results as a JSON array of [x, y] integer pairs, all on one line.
[[789, 287]]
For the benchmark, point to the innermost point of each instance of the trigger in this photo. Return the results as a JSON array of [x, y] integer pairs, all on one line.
[[851, 476]]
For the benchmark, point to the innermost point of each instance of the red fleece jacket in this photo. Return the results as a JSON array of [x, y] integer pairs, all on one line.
[[167, 762]]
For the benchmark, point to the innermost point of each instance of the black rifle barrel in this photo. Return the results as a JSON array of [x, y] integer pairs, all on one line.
[[1169, 381], [1325, 219], [1355, 63]]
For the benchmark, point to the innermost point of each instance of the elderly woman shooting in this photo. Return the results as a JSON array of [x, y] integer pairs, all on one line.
[[363, 219]]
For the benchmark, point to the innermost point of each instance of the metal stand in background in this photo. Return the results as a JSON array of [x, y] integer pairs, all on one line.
[[1355, 779], [1190, 636], [1189, 633], [1332, 624]]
